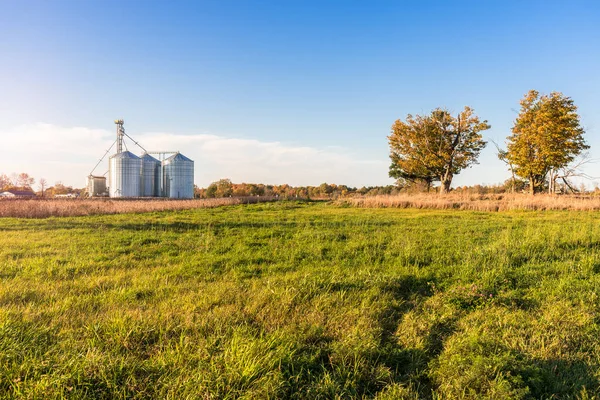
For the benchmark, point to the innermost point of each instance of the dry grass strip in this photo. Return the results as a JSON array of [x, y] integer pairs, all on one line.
[[44, 208], [474, 202]]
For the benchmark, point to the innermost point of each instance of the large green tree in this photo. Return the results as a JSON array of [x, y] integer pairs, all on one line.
[[435, 147], [546, 136]]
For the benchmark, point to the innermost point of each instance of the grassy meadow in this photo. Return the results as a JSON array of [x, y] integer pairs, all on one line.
[[301, 301]]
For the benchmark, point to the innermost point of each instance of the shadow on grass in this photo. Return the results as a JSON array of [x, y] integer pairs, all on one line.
[[320, 368], [554, 378], [409, 365]]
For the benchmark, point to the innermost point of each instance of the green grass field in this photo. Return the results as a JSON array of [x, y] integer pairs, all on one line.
[[301, 301]]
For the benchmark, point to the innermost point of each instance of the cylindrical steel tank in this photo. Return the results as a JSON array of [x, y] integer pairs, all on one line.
[[150, 176], [124, 173], [96, 186], [160, 186], [178, 177]]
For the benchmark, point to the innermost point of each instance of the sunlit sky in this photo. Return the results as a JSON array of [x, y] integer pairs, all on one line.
[[298, 92]]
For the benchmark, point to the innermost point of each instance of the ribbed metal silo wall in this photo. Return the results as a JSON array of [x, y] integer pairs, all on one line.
[[114, 182], [178, 173], [160, 184], [150, 175], [125, 175]]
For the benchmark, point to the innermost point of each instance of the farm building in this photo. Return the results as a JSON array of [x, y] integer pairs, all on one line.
[[12, 194]]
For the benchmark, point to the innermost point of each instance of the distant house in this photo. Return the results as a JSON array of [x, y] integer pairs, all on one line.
[[12, 194], [66, 196]]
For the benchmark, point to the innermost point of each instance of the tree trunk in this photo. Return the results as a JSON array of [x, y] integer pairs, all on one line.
[[569, 186], [531, 185], [446, 182], [552, 177], [514, 179]]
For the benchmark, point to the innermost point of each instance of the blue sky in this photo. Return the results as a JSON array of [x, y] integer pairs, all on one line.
[[279, 91]]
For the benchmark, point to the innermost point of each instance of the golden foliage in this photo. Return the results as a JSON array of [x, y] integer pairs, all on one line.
[[546, 136], [436, 146]]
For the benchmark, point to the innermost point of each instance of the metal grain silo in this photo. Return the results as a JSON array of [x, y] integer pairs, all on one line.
[[150, 176], [178, 177], [124, 174]]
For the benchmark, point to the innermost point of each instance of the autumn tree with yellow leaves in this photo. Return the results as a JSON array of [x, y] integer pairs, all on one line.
[[435, 147], [546, 136]]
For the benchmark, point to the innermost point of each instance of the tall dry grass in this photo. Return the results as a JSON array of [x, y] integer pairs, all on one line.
[[44, 208], [489, 202]]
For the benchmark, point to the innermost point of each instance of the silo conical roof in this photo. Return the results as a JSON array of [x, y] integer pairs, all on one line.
[[148, 157], [125, 154], [177, 157]]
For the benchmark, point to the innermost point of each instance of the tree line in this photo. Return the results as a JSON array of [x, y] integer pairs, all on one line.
[[21, 181], [546, 146], [226, 188], [24, 182], [220, 188]]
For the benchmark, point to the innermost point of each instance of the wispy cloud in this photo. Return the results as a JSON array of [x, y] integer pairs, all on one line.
[[69, 153]]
